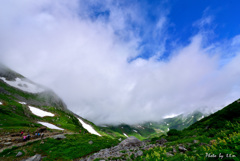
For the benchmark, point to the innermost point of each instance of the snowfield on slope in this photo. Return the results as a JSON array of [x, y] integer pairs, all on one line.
[[23, 85], [50, 126], [39, 112], [88, 128]]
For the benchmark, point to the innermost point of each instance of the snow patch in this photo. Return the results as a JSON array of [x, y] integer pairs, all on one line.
[[88, 128], [40, 113], [170, 116], [23, 103], [201, 118], [50, 126], [168, 129], [1, 103], [135, 131], [23, 85], [125, 134]]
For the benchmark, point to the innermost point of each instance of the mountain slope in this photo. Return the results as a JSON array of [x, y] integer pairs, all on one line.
[[29, 107], [15, 85], [19, 95], [152, 129], [216, 137]]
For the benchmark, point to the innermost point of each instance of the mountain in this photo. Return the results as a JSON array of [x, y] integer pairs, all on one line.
[[148, 130], [29, 108], [215, 137], [27, 91]]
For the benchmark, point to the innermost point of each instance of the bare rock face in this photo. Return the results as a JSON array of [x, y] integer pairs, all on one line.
[[131, 141]]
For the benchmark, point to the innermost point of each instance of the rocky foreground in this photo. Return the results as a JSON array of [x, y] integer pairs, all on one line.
[[129, 148]]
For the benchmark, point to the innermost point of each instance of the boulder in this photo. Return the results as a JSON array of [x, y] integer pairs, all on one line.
[[161, 141], [169, 154], [59, 137], [8, 139], [182, 149], [36, 157], [195, 141], [8, 143], [19, 154], [90, 142], [15, 134], [41, 129], [131, 141], [139, 153]]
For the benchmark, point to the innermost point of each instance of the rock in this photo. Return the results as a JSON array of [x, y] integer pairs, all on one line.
[[182, 149], [238, 101], [90, 142], [19, 154], [8, 143], [59, 137], [36, 157], [194, 136], [161, 141], [41, 129], [15, 134], [139, 153], [8, 139], [131, 141], [169, 154], [120, 139], [195, 141]]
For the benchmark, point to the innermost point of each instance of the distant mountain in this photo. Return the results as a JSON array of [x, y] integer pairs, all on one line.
[[215, 137], [27, 106], [151, 129]]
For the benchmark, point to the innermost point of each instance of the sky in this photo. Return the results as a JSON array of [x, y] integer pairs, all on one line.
[[120, 61]]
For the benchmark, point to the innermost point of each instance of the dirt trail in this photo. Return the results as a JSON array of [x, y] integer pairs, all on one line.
[[32, 140]]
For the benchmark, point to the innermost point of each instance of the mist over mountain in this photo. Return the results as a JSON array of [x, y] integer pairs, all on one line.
[[96, 60]]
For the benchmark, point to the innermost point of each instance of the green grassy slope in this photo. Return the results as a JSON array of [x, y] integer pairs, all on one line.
[[216, 137], [15, 117]]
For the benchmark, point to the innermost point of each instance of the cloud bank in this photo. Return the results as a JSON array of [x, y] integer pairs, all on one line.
[[89, 57]]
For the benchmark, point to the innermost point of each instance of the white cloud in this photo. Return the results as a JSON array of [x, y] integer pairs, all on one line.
[[85, 62]]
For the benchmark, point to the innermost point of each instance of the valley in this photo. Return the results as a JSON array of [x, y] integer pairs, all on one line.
[[68, 136]]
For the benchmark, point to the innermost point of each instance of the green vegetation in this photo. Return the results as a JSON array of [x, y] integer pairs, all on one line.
[[217, 137], [74, 146]]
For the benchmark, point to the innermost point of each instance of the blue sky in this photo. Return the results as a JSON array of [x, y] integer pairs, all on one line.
[[218, 20], [183, 22], [126, 61]]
